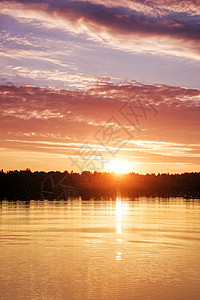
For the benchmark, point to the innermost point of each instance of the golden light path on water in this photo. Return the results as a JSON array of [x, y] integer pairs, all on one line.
[[118, 225]]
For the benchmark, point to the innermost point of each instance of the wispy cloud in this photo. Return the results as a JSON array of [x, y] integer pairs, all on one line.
[[153, 27], [168, 148], [60, 121]]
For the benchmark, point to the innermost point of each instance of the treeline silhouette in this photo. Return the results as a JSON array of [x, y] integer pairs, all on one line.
[[27, 185]]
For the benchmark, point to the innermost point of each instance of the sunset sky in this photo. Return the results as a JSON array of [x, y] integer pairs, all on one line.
[[86, 83]]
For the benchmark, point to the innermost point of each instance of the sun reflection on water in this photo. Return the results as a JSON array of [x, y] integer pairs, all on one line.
[[118, 215], [118, 227]]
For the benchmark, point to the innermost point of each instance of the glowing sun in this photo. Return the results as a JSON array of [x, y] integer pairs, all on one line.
[[119, 166]]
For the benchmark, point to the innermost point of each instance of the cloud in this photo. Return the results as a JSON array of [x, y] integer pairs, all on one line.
[[75, 81], [31, 112], [61, 122], [151, 6], [169, 149], [38, 55], [146, 27]]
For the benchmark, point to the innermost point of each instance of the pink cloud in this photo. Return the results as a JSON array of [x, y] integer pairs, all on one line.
[[79, 114], [59, 123]]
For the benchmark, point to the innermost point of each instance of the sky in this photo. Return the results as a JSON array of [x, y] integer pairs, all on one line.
[[86, 83]]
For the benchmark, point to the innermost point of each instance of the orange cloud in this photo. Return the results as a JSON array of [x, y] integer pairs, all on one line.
[[60, 122]]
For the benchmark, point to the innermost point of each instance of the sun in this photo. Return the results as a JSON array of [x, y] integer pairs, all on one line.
[[120, 166]]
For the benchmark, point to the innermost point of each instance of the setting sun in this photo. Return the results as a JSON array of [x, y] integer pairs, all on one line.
[[120, 167]]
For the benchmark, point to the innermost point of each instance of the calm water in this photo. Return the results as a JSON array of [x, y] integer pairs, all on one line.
[[144, 249]]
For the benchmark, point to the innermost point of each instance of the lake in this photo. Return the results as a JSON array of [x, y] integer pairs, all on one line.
[[106, 249]]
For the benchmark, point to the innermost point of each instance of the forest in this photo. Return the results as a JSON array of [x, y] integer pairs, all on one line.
[[27, 185]]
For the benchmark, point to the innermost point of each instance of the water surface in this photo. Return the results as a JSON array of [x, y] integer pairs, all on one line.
[[121, 249]]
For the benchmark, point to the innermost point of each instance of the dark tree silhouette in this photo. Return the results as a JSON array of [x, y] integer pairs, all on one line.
[[27, 185]]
